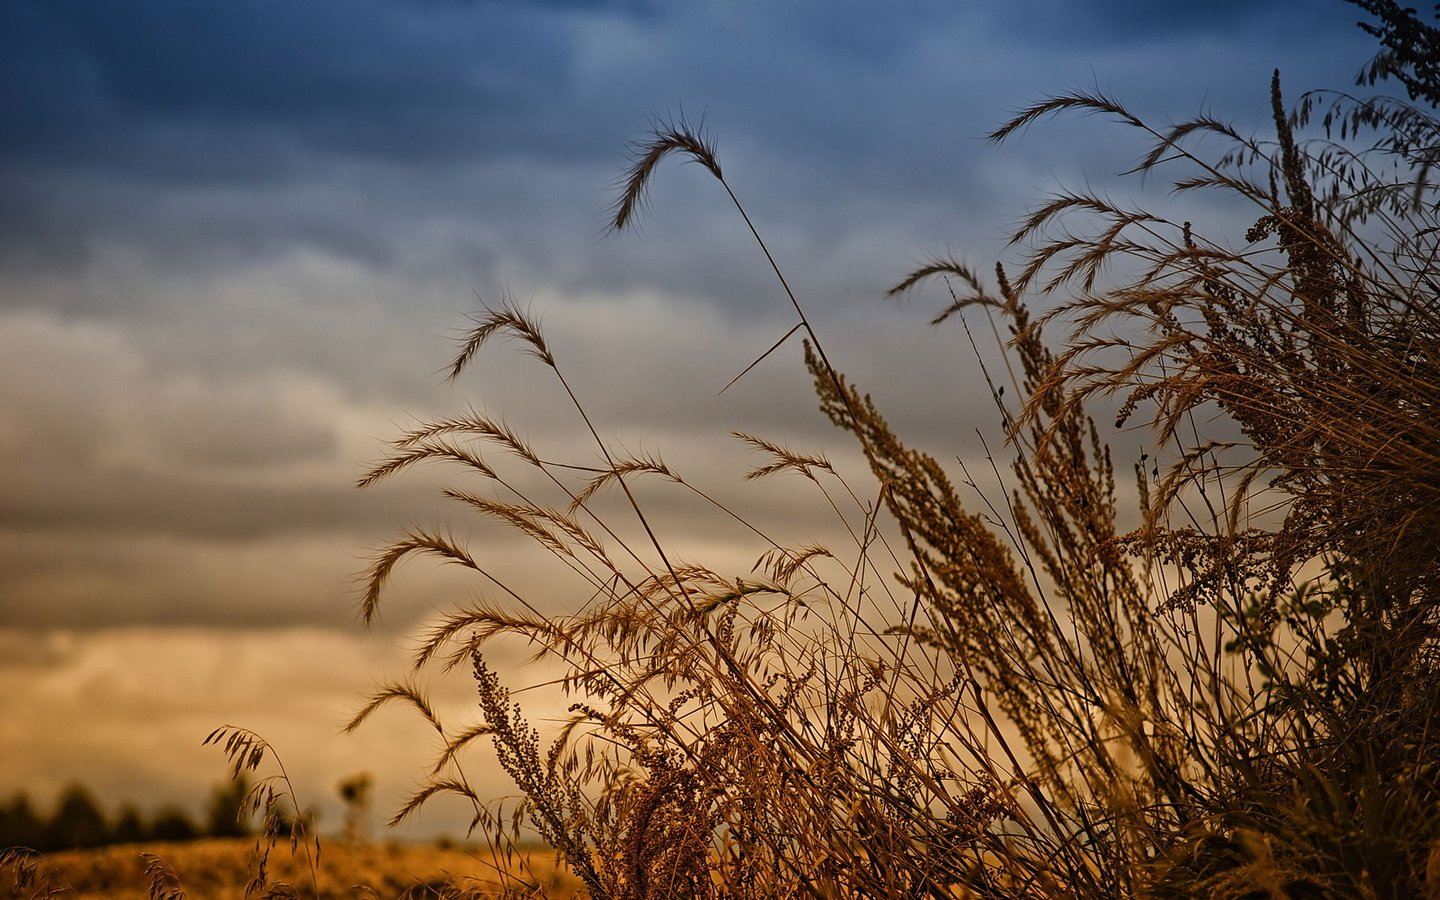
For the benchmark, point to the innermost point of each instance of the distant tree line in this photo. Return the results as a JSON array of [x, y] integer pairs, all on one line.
[[78, 821]]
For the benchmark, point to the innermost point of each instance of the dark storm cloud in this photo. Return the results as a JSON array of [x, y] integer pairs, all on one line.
[[202, 134], [111, 100], [1101, 22], [318, 188], [138, 86], [267, 90]]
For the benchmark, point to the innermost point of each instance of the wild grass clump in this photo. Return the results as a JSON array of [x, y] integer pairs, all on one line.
[[1014, 695], [273, 801]]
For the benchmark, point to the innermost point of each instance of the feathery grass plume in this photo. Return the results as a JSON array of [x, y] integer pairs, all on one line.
[[163, 881], [791, 730], [274, 800], [399, 692], [508, 319], [945, 267], [785, 459], [425, 451], [709, 708], [619, 468], [1004, 618], [471, 423], [1322, 352], [445, 776], [666, 138], [1326, 363], [416, 541], [34, 876]]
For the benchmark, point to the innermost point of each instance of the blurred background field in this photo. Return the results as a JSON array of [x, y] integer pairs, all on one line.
[[220, 868]]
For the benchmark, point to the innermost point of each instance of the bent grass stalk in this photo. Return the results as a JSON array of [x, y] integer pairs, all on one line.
[[273, 799]]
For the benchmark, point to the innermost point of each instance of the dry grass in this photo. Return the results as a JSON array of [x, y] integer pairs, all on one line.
[[1012, 696]]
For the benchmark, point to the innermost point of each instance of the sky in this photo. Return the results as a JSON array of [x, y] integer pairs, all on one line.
[[239, 239]]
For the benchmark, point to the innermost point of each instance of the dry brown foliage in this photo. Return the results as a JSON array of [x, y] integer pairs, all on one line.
[[1014, 696]]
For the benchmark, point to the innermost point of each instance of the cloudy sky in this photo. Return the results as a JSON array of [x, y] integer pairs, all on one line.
[[238, 240]]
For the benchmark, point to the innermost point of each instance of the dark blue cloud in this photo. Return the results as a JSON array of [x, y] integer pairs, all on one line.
[[171, 90], [347, 126], [1098, 23], [108, 83]]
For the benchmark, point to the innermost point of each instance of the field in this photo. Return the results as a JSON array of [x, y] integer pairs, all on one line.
[[220, 869]]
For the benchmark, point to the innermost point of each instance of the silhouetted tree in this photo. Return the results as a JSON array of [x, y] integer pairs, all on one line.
[[173, 824], [222, 818], [19, 826], [78, 821], [129, 826]]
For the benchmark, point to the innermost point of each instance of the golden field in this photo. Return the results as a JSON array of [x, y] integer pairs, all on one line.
[[220, 868]]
